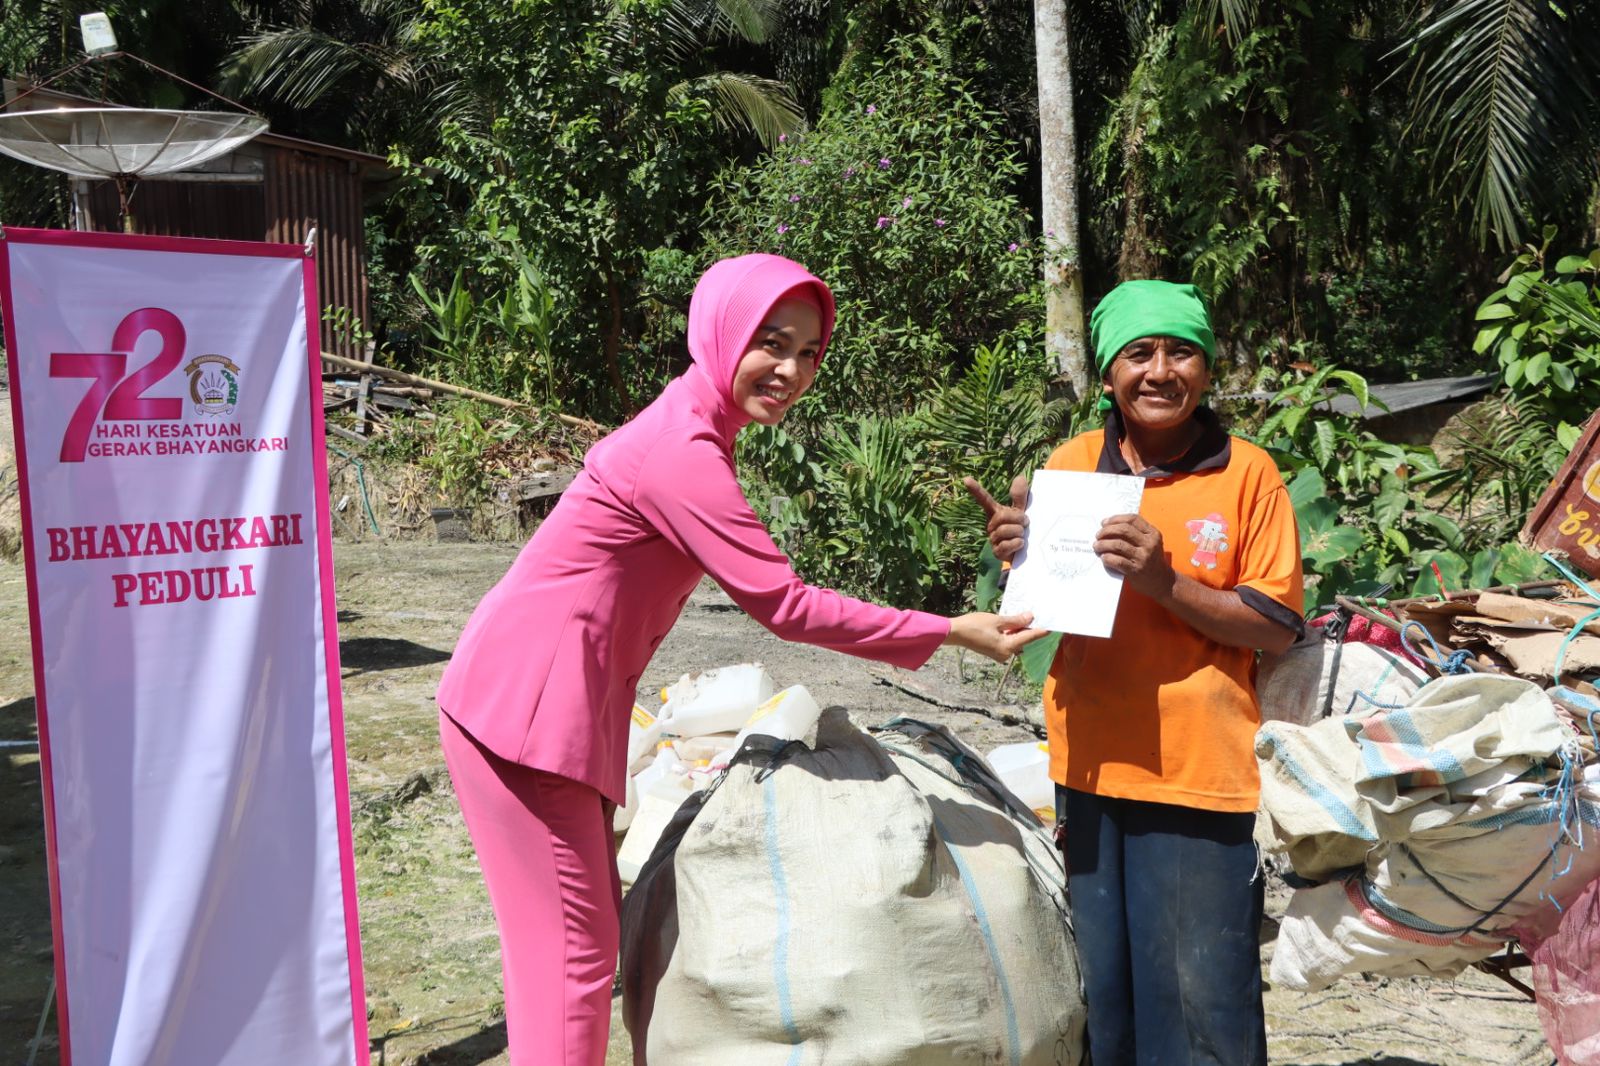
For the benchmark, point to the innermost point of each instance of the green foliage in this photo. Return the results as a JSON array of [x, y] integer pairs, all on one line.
[[992, 423], [1506, 453], [1543, 329], [876, 507], [1503, 96], [501, 344], [903, 200], [1374, 514], [465, 447]]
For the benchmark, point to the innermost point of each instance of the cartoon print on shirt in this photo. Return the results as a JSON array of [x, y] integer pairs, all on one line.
[[1210, 537]]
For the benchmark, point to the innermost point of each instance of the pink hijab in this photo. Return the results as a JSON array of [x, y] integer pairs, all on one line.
[[729, 303]]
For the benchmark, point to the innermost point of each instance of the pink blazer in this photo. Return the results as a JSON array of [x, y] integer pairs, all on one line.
[[546, 670]]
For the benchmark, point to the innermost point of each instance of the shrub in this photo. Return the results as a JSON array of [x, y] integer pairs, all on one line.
[[901, 199]]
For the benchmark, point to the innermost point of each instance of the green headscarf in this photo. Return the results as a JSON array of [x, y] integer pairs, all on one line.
[[1148, 308]]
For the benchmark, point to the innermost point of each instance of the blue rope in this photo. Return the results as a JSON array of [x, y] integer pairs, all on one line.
[[1570, 576], [1561, 653], [1457, 662], [1565, 795], [1378, 684]]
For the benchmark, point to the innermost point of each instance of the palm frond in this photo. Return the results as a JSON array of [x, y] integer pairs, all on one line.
[[1237, 17], [1503, 91], [295, 66], [744, 101], [1507, 452]]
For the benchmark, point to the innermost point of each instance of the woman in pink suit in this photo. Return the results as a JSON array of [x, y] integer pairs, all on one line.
[[535, 703]]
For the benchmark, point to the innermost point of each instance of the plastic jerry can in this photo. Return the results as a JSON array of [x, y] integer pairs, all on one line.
[[1025, 769], [661, 792], [716, 701], [790, 715]]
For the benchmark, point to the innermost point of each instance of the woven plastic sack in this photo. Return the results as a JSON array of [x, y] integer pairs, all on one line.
[[1310, 810], [1474, 815], [878, 902], [1295, 686]]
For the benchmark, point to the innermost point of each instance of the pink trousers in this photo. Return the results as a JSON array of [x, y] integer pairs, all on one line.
[[547, 858]]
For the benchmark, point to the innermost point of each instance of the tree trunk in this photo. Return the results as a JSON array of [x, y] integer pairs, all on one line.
[[613, 346], [1063, 271]]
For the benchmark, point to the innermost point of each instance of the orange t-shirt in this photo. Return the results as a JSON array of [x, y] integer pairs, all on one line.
[[1157, 711]]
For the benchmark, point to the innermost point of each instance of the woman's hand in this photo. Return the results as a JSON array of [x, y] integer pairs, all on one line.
[[997, 636], [1133, 548], [1005, 523]]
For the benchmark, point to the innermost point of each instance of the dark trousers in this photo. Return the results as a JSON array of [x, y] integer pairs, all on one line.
[[1166, 905]]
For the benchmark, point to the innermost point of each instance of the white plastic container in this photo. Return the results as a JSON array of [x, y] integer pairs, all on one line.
[[716, 701], [1025, 770], [662, 788], [790, 715], [622, 817]]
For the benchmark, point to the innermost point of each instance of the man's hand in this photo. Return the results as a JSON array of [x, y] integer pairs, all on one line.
[[1006, 524], [997, 636], [1132, 547]]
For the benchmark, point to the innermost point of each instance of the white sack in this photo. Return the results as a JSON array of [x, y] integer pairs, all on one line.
[[859, 903]]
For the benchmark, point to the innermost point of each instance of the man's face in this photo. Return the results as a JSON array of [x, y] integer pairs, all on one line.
[[1158, 381]]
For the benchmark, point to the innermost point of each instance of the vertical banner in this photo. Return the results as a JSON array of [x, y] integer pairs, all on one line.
[[168, 414]]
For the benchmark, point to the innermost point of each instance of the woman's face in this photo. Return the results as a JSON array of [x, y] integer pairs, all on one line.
[[781, 362], [1158, 381]]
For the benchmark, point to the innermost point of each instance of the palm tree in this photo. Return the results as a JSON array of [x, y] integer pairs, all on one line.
[[394, 85], [365, 57], [1504, 98], [765, 107]]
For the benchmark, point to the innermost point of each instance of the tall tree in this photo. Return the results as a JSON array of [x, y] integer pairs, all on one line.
[[1058, 150]]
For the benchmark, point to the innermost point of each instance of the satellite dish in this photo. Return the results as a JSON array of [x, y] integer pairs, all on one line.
[[123, 142]]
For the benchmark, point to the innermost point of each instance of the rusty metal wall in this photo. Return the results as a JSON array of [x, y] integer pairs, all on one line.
[[183, 209], [305, 190], [300, 190]]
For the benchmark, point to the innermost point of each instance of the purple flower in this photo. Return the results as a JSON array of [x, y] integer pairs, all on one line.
[[883, 164], [941, 223], [1011, 247], [794, 198], [803, 162], [906, 202], [884, 220], [1049, 233], [783, 138], [782, 228], [849, 172], [872, 109]]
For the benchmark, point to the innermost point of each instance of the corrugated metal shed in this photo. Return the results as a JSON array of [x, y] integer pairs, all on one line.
[[273, 188], [1397, 397]]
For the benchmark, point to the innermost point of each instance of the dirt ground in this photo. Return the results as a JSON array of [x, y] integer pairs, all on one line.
[[431, 953]]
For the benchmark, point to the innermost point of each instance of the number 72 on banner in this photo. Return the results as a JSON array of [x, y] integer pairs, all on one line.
[[114, 395]]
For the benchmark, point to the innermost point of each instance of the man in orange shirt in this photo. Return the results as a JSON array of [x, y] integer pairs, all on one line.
[[1152, 729]]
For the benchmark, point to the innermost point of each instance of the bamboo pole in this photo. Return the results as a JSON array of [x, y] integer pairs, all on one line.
[[357, 366]]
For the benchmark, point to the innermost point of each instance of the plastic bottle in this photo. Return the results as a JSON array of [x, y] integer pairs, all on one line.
[[644, 729], [1025, 770], [716, 701], [790, 715]]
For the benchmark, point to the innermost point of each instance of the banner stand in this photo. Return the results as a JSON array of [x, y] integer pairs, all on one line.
[[173, 482]]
